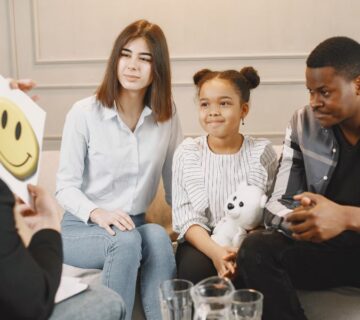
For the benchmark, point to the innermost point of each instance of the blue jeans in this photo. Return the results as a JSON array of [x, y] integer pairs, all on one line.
[[97, 302], [147, 249]]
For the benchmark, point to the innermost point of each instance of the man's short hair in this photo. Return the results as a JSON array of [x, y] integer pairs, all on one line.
[[340, 53]]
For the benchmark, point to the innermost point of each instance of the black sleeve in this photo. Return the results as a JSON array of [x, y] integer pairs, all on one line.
[[29, 277]]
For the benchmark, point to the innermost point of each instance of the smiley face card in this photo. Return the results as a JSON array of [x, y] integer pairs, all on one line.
[[22, 124]]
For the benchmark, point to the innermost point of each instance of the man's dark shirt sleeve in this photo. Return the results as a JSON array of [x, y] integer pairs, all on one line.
[[29, 277]]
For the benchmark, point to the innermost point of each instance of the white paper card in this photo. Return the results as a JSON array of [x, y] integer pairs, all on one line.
[[69, 286], [22, 124]]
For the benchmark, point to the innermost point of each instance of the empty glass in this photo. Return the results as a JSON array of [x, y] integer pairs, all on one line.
[[212, 299], [175, 299], [246, 304]]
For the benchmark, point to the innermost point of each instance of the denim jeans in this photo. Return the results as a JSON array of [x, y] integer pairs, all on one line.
[[146, 250], [277, 265], [97, 302]]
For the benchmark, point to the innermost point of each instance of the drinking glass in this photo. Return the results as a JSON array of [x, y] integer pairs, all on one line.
[[247, 304], [212, 299], [175, 299]]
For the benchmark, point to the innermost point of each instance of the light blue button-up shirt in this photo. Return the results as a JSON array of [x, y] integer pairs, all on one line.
[[103, 164]]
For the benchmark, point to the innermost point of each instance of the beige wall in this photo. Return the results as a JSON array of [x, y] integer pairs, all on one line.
[[64, 44]]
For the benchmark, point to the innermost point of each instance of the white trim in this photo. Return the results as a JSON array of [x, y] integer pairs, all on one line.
[[269, 134], [13, 43], [55, 86], [101, 60]]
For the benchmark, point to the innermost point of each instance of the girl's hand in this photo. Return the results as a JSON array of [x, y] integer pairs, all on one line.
[[224, 261], [117, 218]]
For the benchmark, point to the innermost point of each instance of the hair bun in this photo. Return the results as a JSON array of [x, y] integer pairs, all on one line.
[[251, 75], [200, 74]]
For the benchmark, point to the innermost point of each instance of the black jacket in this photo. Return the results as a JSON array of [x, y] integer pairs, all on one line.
[[29, 277]]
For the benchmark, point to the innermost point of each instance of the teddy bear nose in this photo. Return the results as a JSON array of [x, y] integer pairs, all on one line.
[[230, 206]]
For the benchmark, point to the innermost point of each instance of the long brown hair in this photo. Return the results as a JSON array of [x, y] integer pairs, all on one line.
[[158, 95]]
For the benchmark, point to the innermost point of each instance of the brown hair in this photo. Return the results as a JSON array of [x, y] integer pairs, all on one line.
[[243, 81], [158, 95]]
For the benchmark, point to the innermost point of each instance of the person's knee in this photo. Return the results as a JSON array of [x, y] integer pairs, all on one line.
[[155, 236], [125, 242], [255, 248]]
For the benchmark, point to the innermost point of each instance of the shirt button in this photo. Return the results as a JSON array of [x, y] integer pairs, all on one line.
[[325, 178], [334, 150]]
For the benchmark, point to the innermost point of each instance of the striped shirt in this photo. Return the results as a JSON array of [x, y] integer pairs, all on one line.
[[203, 180]]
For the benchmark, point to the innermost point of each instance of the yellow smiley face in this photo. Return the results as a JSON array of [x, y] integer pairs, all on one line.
[[19, 148]]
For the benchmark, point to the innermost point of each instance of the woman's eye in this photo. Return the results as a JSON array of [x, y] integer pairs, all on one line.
[[146, 59], [125, 54], [204, 105]]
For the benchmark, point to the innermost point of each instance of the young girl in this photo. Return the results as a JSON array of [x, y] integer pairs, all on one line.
[[208, 169], [115, 147]]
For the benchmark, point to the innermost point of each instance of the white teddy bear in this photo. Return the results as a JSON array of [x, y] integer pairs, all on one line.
[[244, 212]]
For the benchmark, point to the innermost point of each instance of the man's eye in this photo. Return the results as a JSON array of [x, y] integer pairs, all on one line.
[[325, 93]]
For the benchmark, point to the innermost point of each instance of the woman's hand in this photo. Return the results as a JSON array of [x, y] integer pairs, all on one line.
[[117, 218]]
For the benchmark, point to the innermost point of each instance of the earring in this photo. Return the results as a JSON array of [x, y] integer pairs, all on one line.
[[242, 121]]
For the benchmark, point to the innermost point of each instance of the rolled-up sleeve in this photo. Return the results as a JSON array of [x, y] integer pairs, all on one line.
[[190, 202], [175, 139], [291, 178]]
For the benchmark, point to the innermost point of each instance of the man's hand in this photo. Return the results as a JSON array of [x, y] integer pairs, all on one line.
[[117, 218], [317, 219]]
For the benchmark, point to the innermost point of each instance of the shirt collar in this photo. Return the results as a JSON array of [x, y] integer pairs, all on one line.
[[109, 113]]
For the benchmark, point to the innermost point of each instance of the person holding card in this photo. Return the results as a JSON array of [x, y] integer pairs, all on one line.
[[30, 276], [115, 147]]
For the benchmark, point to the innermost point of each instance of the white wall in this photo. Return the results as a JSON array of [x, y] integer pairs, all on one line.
[[64, 44]]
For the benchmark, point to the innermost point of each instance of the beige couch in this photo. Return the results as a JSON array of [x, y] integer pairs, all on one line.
[[336, 304]]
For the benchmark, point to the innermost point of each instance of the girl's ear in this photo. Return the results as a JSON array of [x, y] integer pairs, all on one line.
[[244, 109]]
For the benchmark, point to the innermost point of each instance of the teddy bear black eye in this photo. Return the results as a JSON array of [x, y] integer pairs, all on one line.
[[18, 131], [4, 118], [241, 204], [234, 199]]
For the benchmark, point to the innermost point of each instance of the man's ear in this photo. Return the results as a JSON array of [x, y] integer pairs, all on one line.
[[357, 85]]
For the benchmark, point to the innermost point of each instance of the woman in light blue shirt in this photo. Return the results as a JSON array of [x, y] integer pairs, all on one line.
[[115, 147]]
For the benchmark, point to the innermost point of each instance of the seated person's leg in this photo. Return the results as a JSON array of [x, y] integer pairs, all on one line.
[[119, 256], [98, 302], [192, 264], [157, 265], [277, 266]]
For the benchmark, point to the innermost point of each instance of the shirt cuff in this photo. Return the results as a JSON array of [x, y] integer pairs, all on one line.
[[85, 210]]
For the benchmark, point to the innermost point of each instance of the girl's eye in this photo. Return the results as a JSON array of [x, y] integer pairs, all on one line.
[[204, 104], [225, 103]]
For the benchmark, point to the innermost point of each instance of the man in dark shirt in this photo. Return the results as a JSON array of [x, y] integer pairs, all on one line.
[[316, 200]]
